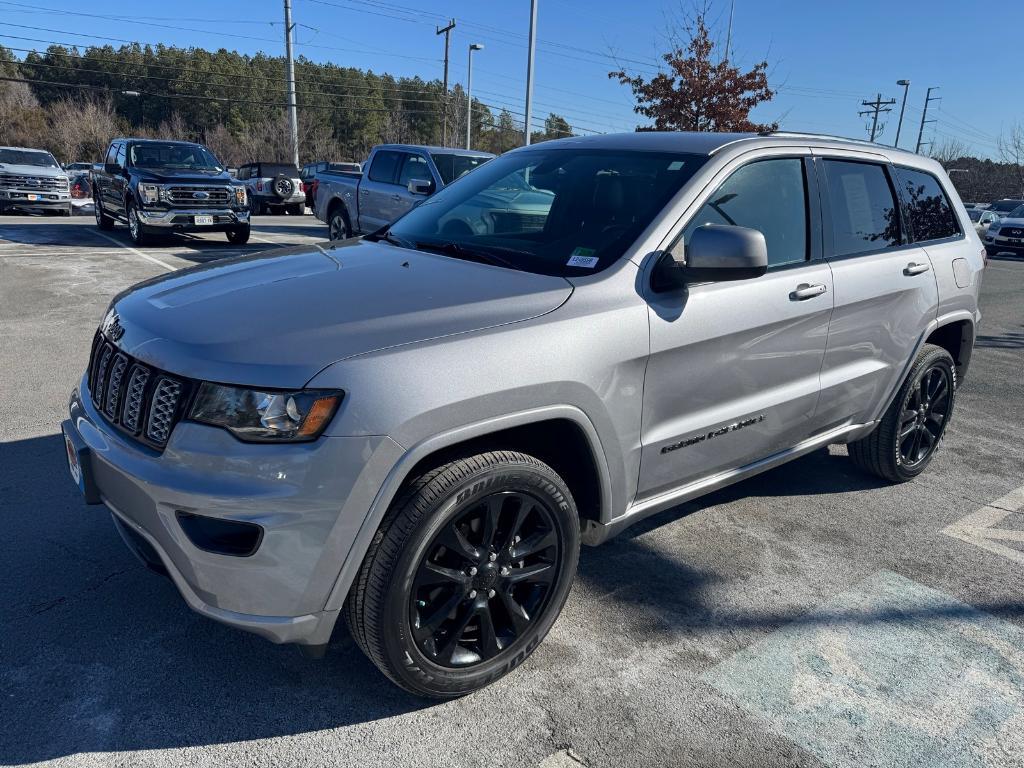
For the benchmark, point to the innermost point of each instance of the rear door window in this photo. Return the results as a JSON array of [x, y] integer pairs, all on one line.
[[769, 196], [928, 209], [865, 216], [384, 166]]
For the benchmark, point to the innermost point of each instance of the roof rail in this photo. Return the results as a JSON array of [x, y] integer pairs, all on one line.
[[832, 136]]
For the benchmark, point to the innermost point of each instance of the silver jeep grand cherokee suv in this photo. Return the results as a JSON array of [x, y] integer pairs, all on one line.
[[417, 429]]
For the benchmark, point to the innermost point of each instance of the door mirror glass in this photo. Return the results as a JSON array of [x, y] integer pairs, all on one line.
[[420, 187], [715, 253], [112, 168]]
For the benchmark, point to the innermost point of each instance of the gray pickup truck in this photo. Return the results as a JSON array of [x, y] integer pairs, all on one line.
[[32, 180], [415, 430], [394, 179]]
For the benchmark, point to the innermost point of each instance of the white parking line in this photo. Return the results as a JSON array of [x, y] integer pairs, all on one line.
[[979, 527], [136, 251]]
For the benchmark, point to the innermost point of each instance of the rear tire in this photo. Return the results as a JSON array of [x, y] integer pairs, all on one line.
[[103, 221], [903, 443], [298, 209], [466, 574], [337, 225]]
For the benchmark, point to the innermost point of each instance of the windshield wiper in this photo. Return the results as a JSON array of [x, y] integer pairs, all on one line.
[[459, 251], [385, 235]]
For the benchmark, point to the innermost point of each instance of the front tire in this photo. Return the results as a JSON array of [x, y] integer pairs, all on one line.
[[467, 573], [239, 236], [135, 229], [902, 445]]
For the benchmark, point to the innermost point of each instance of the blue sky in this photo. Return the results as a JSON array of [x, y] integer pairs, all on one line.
[[825, 56]]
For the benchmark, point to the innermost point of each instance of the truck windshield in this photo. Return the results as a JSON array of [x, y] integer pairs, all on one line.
[[452, 166], [190, 157], [27, 157], [556, 211]]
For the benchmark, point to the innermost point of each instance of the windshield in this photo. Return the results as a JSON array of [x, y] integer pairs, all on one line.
[[27, 157], [556, 211], [1003, 206], [974, 213], [1017, 213], [452, 167], [190, 157]]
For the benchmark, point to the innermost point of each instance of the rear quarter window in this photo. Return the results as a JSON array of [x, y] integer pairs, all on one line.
[[865, 216], [928, 208]]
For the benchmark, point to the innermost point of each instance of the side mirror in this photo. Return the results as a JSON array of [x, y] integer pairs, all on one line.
[[112, 168], [716, 253], [420, 187]]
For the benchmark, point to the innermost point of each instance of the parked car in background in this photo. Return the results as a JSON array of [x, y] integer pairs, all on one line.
[[982, 218], [1005, 206], [309, 172], [161, 187], [414, 431], [1007, 234], [81, 191], [273, 188], [74, 169], [31, 180], [396, 178]]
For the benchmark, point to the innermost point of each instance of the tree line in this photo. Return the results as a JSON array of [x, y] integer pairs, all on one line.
[[73, 101]]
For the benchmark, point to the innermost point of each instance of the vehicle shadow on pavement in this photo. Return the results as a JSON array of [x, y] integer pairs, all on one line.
[[1008, 340], [99, 654]]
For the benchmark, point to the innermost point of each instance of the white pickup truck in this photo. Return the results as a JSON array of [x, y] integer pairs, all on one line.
[[395, 178]]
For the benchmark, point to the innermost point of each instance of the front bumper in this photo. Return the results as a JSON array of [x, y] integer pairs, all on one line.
[[1001, 244], [22, 199], [310, 500], [183, 219]]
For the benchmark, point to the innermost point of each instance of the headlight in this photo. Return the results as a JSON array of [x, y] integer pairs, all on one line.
[[150, 193], [263, 416], [240, 198], [993, 229]]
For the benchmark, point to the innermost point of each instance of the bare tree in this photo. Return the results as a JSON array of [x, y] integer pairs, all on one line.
[[80, 128], [1011, 150], [949, 151]]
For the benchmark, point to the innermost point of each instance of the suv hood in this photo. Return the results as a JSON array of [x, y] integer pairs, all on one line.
[[183, 175], [275, 320], [31, 170]]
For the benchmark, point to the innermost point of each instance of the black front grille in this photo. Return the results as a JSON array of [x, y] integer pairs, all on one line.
[[140, 400], [1012, 232], [208, 196]]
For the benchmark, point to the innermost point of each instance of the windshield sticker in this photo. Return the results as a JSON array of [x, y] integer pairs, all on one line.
[[582, 257]]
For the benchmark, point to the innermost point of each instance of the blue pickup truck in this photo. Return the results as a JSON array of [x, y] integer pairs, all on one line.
[[394, 179]]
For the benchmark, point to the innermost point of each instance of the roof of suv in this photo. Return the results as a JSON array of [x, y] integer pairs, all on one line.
[[701, 143]]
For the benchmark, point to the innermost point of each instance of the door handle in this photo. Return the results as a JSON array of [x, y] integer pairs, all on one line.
[[396, 198], [364, 191], [914, 268], [806, 291]]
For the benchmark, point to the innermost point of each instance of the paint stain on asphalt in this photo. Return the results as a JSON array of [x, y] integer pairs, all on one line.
[[897, 674]]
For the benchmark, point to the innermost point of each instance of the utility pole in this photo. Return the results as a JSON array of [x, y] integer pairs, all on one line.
[[728, 35], [529, 68], [875, 108], [469, 93], [293, 117], [903, 106], [447, 31], [927, 100]]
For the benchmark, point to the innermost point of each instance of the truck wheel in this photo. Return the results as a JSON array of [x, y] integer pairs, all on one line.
[[103, 221], [905, 440], [337, 226], [466, 574], [135, 229], [238, 236]]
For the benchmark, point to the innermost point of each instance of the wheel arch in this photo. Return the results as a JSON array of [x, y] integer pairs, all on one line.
[[561, 436], [956, 336], [336, 204]]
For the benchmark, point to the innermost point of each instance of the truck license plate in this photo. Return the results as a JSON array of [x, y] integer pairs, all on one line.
[[31, 197], [204, 220]]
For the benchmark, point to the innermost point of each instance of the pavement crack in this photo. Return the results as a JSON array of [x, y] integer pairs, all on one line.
[[48, 605]]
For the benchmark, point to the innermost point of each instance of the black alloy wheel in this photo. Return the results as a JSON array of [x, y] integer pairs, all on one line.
[[485, 579], [907, 436], [466, 574], [924, 416], [337, 227]]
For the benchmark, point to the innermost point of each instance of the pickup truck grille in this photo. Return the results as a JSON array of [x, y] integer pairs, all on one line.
[[512, 222], [209, 197], [138, 399], [32, 183]]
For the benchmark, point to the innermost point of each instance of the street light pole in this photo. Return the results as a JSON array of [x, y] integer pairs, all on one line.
[[529, 68], [293, 118], [903, 106], [469, 93]]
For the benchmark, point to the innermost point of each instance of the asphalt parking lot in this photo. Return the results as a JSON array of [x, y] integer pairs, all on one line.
[[811, 616]]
